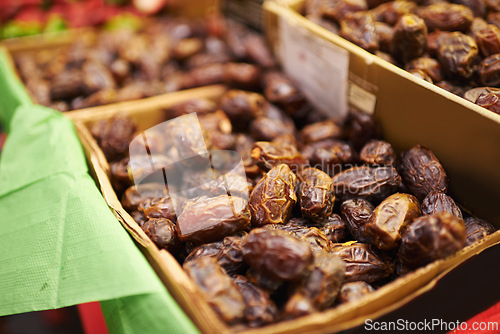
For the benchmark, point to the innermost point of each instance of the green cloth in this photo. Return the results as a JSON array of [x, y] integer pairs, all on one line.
[[60, 244]]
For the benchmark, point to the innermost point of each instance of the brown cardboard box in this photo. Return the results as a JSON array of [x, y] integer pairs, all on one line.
[[148, 112], [463, 135]]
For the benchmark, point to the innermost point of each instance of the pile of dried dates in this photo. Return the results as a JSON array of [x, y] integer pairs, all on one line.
[[453, 44], [166, 55], [333, 212]]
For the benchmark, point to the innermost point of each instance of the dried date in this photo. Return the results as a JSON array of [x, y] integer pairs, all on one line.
[[320, 131], [359, 28], [353, 291], [334, 228], [134, 196], [276, 254], [206, 219], [422, 172], [436, 202], [217, 288], [476, 229], [316, 194], [356, 213], [447, 17], [259, 307], [336, 10], [488, 40], [319, 289], [410, 38], [114, 136], [489, 71], [370, 183], [363, 262], [391, 11], [428, 65], [377, 152], [162, 233], [431, 238], [267, 155], [241, 106], [273, 198], [329, 155], [458, 55], [390, 219]]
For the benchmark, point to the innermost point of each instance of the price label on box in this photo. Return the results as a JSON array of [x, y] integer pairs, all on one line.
[[318, 67]]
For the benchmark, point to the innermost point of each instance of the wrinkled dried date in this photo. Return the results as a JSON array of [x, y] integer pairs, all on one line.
[[259, 307], [458, 55], [363, 262], [162, 232], [447, 17], [206, 219], [276, 254], [436, 202], [273, 198], [390, 219], [410, 38], [217, 288], [356, 213], [359, 28], [334, 228], [353, 291], [267, 155], [476, 229], [316, 194], [319, 289], [430, 238], [370, 183], [422, 172], [377, 152]]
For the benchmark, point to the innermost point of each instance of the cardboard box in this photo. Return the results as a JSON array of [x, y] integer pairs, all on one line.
[[463, 135], [148, 112]]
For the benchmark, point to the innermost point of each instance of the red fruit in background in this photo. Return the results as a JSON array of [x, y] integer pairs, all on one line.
[[31, 14], [149, 6]]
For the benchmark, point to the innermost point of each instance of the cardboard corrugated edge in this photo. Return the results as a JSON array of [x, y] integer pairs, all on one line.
[[463, 135], [384, 300], [169, 271]]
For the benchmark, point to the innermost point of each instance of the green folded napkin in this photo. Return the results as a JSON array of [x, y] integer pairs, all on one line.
[[60, 244]]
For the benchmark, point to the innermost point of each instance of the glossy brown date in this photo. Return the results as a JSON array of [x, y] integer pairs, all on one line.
[[391, 11], [334, 228], [280, 90], [377, 152], [242, 75], [316, 194], [390, 219], [242, 106], [385, 35], [133, 197], [430, 238], [458, 55], [488, 40], [267, 155], [429, 66], [447, 17], [370, 183], [319, 289], [490, 100], [436, 202], [476, 229], [259, 307], [329, 155], [489, 71], [276, 254], [197, 105], [360, 128], [316, 238], [206, 219], [356, 213], [217, 288], [113, 136], [162, 233], [273, 198], [363, 262], [320, 131], [227, 253], [359, 28], [337, 10], [422, 172], [353, 291], [410, 38]]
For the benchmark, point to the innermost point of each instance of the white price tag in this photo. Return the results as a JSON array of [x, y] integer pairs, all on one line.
[[319, 67]]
